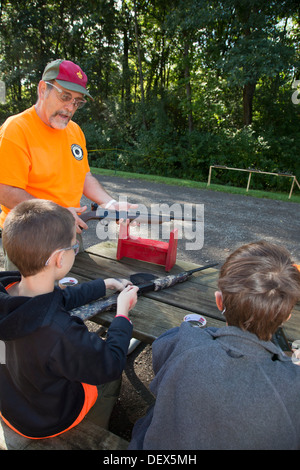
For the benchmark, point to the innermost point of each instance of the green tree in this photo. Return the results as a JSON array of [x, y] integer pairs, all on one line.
[[177, 84], [250, 44]]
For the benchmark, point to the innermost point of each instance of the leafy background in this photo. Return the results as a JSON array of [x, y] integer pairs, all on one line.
[[178, 85]]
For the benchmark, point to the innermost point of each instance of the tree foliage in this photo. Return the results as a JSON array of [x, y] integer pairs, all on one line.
[[178, 84]]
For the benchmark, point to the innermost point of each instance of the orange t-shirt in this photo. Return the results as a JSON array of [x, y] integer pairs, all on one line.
[[48, 163]]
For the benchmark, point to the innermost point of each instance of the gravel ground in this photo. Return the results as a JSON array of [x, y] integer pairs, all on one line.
[[229, 222]]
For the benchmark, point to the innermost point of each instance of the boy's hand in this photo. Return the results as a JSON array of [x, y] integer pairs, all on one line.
[[117, 284], [127, 300]]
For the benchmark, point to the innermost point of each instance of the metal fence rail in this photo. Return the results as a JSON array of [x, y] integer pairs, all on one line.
[[251, 171]]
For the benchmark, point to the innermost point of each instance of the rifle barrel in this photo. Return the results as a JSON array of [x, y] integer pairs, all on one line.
[[191, 271], [144, 218]]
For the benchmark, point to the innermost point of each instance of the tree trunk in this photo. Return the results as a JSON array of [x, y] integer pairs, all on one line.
[[140, 64], [248, 93], [125, 62], [188, 86], [244, 12]]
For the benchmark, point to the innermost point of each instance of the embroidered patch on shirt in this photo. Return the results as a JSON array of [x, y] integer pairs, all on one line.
[[77, 151]]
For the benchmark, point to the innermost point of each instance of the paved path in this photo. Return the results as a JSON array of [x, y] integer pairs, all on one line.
[[229, 220]]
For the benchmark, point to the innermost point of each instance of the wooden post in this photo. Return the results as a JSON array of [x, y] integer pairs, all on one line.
[[249, 179], [292, 187], [209, 176]]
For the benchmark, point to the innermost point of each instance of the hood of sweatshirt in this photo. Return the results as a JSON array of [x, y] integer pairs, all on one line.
[[20, 315]]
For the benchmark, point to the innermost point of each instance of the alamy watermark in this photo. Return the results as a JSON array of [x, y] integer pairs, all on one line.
[[296, 352], [188, 219], [2, 92], [296, 94], [2, 353]]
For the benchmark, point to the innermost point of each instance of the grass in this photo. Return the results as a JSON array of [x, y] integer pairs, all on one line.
[[202, 185]]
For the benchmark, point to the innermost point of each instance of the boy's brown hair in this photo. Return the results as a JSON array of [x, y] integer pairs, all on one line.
[[33, 230], [260, 286]]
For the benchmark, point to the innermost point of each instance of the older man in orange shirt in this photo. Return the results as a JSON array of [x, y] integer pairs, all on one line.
[[43, 152]]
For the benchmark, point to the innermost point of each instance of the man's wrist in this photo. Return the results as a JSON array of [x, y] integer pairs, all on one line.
[[110, 203]]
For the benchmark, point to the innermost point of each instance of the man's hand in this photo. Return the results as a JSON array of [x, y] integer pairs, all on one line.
[[122, 206], [80, 224]]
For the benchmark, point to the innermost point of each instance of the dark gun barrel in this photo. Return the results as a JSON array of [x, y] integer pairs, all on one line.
[[111, 215]]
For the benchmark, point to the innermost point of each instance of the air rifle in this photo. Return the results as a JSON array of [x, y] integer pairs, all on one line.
[[105, 215], [107, 304]]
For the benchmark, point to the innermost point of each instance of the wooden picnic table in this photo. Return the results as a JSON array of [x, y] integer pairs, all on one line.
[[157, 312]]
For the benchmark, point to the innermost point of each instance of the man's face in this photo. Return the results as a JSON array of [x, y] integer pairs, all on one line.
[[54, 111]]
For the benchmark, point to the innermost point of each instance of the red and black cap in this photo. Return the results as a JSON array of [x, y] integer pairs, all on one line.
[[68, 75]]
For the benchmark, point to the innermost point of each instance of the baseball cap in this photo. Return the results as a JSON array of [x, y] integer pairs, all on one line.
[[68, 75]]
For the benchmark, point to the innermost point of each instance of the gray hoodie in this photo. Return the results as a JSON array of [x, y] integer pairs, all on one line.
[[220, 389]]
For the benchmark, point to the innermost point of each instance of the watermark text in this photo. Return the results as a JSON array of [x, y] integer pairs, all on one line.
[[157, 222]]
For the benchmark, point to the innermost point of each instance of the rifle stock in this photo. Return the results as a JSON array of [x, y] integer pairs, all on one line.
[[108, 304], [171, 280]]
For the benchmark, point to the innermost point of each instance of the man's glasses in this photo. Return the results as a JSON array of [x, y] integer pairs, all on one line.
[[73, 247], [67, 97]]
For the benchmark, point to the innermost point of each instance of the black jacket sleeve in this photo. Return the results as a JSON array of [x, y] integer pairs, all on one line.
[[85, 357], [81, 294]]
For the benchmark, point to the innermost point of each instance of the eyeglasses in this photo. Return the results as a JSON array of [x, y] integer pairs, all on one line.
[[73, 247], [67, 97]]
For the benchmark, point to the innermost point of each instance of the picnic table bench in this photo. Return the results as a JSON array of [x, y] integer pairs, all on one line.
[[85, 436]]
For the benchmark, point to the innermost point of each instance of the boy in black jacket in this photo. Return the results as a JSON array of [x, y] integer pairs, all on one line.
[[53, 363]]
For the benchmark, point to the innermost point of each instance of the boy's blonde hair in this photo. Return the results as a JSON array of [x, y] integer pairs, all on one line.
[[260, 286], [33, 230]]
